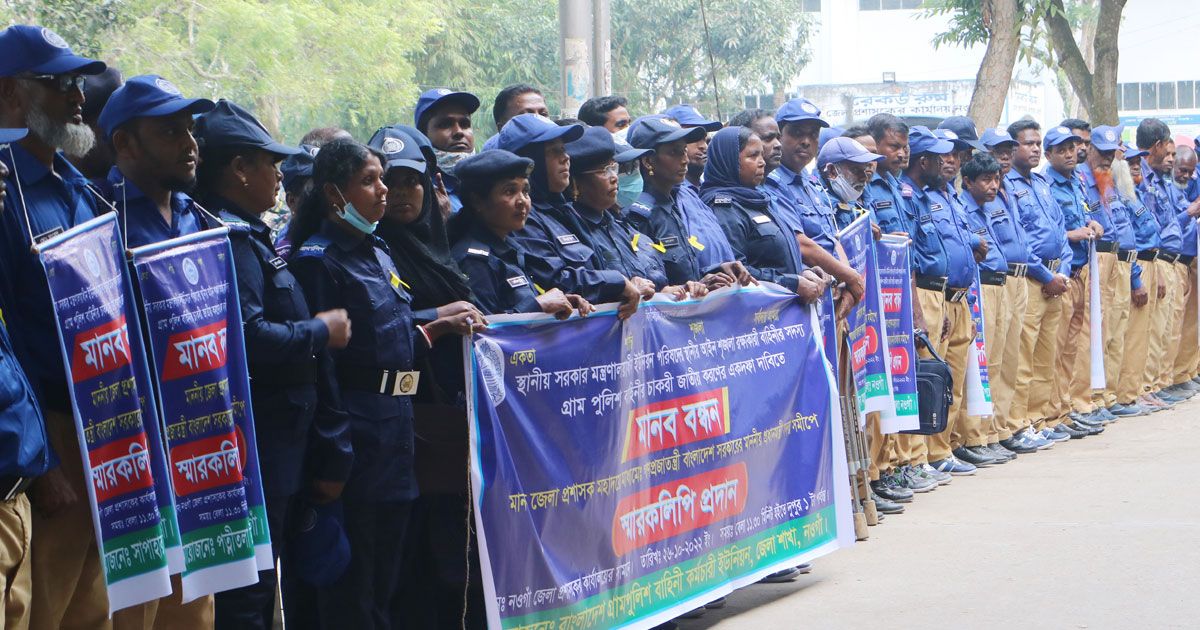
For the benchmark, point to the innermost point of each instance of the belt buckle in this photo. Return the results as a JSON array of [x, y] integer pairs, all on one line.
[[958, 295], [403, 383]]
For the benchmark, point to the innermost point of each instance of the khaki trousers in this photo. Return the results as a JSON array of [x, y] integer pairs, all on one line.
[[912, 449], [1132, 381], [1115, 300], [1169, 327], [1039, 346], [69, 590], [954, 350], [1004, 380], [1185, 358], [1072, 371], [16, 567], [879, 447], [997, 313], [1182, 293]]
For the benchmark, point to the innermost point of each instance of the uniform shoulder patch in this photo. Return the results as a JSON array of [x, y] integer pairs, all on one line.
[[906, 191]]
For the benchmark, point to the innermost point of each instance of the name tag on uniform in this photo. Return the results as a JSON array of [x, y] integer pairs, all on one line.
[[567, 239], [762, 218], [996, 214], [882, 205], [670, 241], [477, 252], [935, 206], [277, 262], [925, 218], [981, 231], [1020, 193], [406, 383], [518, 281], [47, 235], [1139, 211]]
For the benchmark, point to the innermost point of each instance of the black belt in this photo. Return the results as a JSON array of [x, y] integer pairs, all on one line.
[[1168, 256], [1018, 270], [1185, 259], [1106, 247], [932, 283], [1147, 255], [994, 278], [1127, 255], [376, 380], [284, 375], [11, 486]]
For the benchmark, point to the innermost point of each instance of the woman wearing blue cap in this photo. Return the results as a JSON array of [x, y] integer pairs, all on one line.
[[341, 264], [762, 239]]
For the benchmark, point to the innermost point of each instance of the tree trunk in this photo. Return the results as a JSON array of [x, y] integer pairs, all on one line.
[[995, 72], [1104, 78], [1062, 39]]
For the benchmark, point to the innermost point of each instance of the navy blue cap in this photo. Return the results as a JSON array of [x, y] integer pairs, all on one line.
[[319, 548], [650, 131], [147, 95], [626, 153], [1133, 152], [228, 125], [964, 129], [432, 98], [492, 165], [593, 148], [922, 140], [527, 129], [12, 135], [399, 148], [687, 116], [1107, 138], [843, 149], [993, 138], [799, 109], [959, 143], [1058, 135], [98, 89], [827, 134], [39, 50], [299, 165]]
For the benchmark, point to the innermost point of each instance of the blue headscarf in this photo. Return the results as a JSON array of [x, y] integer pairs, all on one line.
[[721, 174]]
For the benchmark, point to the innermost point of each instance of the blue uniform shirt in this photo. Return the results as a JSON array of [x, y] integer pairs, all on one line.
[[54, 204], [980, 221], [338, 269], [950, 219], [1158, 195], [558, 258], [1111, 208], [929, 253], [23, 445], [622, 248], [764, 244], [882, 197], [1043, 221], [716, 248], [1067, 194], [658, 217], [141, 221], [495, 269], [814, 208], [1004, 219], [1145, 224]]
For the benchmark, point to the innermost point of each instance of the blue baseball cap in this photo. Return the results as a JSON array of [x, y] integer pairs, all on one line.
[[843, 149], [827, 134], [12, 135], [228, 125], [148, 95], [432, 98], [799, 109], [595, 147], [1058, 135], [1133, 152], [39, 50], [964, 130], [993, 138], [650, 131], [527, 129], [1106, 138], [922, 140], [492, 165], [399, 149], [319, 548], [687, 116], [299, 165], [627, 153], [959, 143]]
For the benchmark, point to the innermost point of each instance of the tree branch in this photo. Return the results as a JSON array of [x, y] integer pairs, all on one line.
[[1062, 39]]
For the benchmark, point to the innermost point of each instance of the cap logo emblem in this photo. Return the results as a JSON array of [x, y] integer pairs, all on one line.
[[313, 151], [393, 145], [1110, 135], [54, 39], [442, 91], [950, 135], [1062, 130], [808, 107], [167, 87]]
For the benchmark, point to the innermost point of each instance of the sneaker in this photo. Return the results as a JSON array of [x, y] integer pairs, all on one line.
[[1016, 444], [1087, 421], [909, 478], [1082, 431], [805, 568], [1055, 436], [1037, 439], [1105, 415], [929, 471], [887, 488], [952, 466], [884, 506], [1196, 380], [1001, 452], [975, 455], [1137, 410], [786, 575], [1167, 397], [1122, 411], [1189, 386], [1152, 402]]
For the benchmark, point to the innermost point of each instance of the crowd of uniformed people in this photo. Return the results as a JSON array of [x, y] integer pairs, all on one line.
[[357, 289]]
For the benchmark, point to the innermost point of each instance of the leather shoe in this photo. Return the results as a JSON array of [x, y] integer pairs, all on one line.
[[887, 507], [887, 488], [1071, 430], [975, 455], [1015, 445]]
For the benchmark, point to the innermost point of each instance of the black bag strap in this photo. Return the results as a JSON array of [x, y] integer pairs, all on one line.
[[924, 339]]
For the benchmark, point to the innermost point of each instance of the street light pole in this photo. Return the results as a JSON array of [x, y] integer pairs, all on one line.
[[575, 28], [601, 47]]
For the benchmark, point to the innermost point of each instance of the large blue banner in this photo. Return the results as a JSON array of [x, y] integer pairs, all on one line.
[[868, 343], [195, 331], [626, 472], [895, 288], [110, 400]]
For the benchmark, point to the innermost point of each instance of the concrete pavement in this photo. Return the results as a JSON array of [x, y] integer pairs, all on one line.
[[1102, 532]]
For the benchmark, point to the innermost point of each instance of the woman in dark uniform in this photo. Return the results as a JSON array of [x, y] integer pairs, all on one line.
[[763, 241], [341, 264], [302, 430]]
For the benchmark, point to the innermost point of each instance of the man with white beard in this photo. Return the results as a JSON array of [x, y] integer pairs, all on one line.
[[41, 83]]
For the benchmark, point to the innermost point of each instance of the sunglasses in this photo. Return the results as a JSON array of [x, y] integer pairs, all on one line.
[[61, 82]]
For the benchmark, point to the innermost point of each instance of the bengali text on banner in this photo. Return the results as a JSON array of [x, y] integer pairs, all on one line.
[[895, 287], [868, 343]]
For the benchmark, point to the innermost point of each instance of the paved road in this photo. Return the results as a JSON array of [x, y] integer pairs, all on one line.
[[1102, 532]]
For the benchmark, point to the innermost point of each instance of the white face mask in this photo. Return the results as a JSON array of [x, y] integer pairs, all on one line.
[[842, 187]]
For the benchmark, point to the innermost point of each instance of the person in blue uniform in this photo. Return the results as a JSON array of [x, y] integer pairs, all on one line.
[[341, 264], [302, 430], [764, 243], [42, 82], [496, 205], [595, 163], [688, 117], [549, 234], [444, 117], [24, 455]]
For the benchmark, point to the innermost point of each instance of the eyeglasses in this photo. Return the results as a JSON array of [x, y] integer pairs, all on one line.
[[612, 170], [61, 82]]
